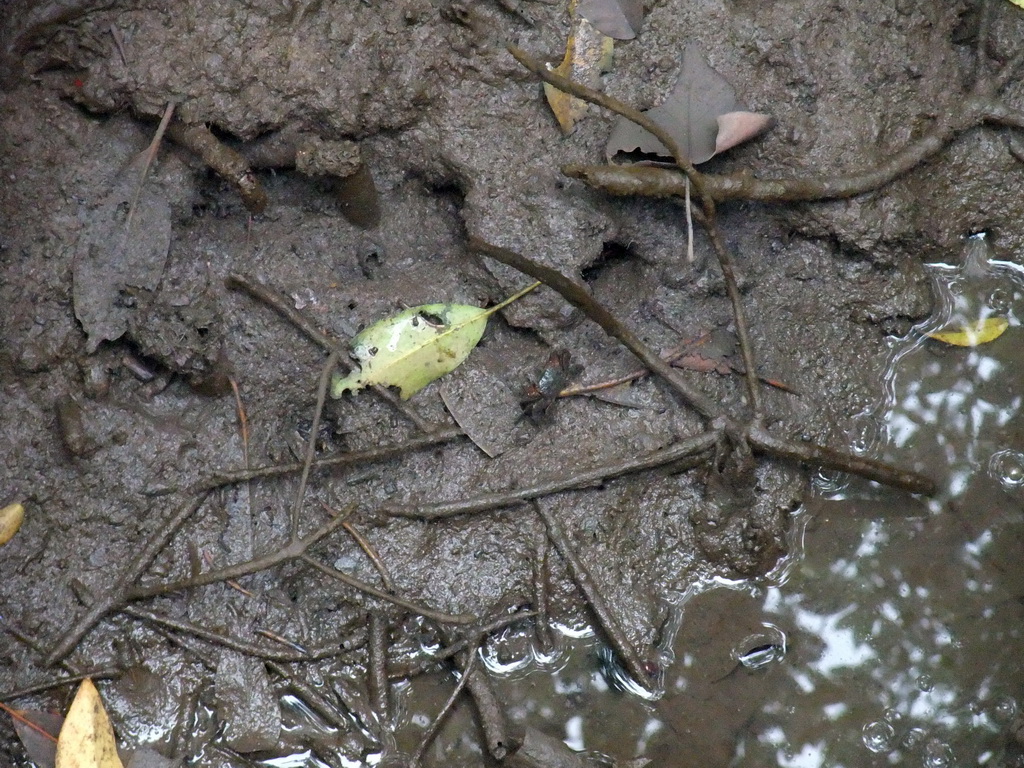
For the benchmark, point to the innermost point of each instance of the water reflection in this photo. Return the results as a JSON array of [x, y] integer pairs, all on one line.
[[895, 638]]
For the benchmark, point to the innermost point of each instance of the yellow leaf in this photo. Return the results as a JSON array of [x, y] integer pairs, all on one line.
[[1018, 3], [980, 332], [418, 345], [10, 521], [86, 739], [588, 53]]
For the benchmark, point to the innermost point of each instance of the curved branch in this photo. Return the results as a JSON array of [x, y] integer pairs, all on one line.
[[663, 182]]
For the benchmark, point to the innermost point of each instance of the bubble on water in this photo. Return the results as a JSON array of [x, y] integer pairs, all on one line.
[[828, 482], [878, 736], [1004, 709], [913, 737], [760, 649], [937, 754], [999, 300], [1007, 467], [867, 433], [892, 715], [925, 683]]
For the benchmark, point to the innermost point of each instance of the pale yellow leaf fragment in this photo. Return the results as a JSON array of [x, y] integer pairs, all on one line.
[[11, 518], [588, 53], [86, 739], [1018, 3], [980, 332]]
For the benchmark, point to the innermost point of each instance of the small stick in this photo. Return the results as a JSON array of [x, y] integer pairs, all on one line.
[[691, 448], [377, 672], [586, 584], [148, 156], [297, 647], [314, 432], [419, 610], [371, 553], [228, 163], [279, 304], [381, 453], [96, 674], [235, 644], [111, 599], [829, 458], [316, 700], [435, 726], [294, 550], [541, 576], [471, 635], [243, 421], [579, 297], [910, 481], [493, 720], [119, 43]]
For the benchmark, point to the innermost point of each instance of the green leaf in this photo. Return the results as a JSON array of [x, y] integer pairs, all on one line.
[[411, 349]]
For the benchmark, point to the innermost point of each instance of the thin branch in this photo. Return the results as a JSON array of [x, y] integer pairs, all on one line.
[[228, 163], [377, 663], [96, 674], [588, 586], [235, 644], [314, 432], [294, 550], [829, 458], [470, 636], [768, 443], [381, 453], [578, 296], [435, 726], [115, 596], [362, 586], [280, 304], [662, 182], [371, 553], [312, 696], [692, 448]]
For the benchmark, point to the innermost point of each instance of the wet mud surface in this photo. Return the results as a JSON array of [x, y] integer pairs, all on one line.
[[118, 352]]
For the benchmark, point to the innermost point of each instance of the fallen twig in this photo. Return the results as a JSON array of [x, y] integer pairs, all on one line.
[[739, 434], [115, 596], [691, 449], [592, 594], [377, 668], [280, 304], [230, 165], [439, 719]]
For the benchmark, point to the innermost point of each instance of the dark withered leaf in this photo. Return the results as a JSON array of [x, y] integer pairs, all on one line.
[[41, 750], [701, 114], [619, 19]]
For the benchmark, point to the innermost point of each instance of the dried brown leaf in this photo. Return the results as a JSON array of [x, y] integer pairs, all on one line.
[[737, 127], [588, 53], [700, 113], [619, 19]]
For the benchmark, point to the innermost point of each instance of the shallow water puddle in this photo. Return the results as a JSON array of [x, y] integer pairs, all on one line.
[[903, 619], [892, 635]]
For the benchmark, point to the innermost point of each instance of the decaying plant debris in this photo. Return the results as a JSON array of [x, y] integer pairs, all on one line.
[[360, 528]]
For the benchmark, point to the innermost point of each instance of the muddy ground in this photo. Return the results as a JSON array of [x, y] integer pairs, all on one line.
[[115, 356]]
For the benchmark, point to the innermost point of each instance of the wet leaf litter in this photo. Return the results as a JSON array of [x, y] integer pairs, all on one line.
[[972, 335]]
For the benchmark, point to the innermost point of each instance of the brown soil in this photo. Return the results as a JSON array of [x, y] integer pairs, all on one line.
[[113, 357]]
